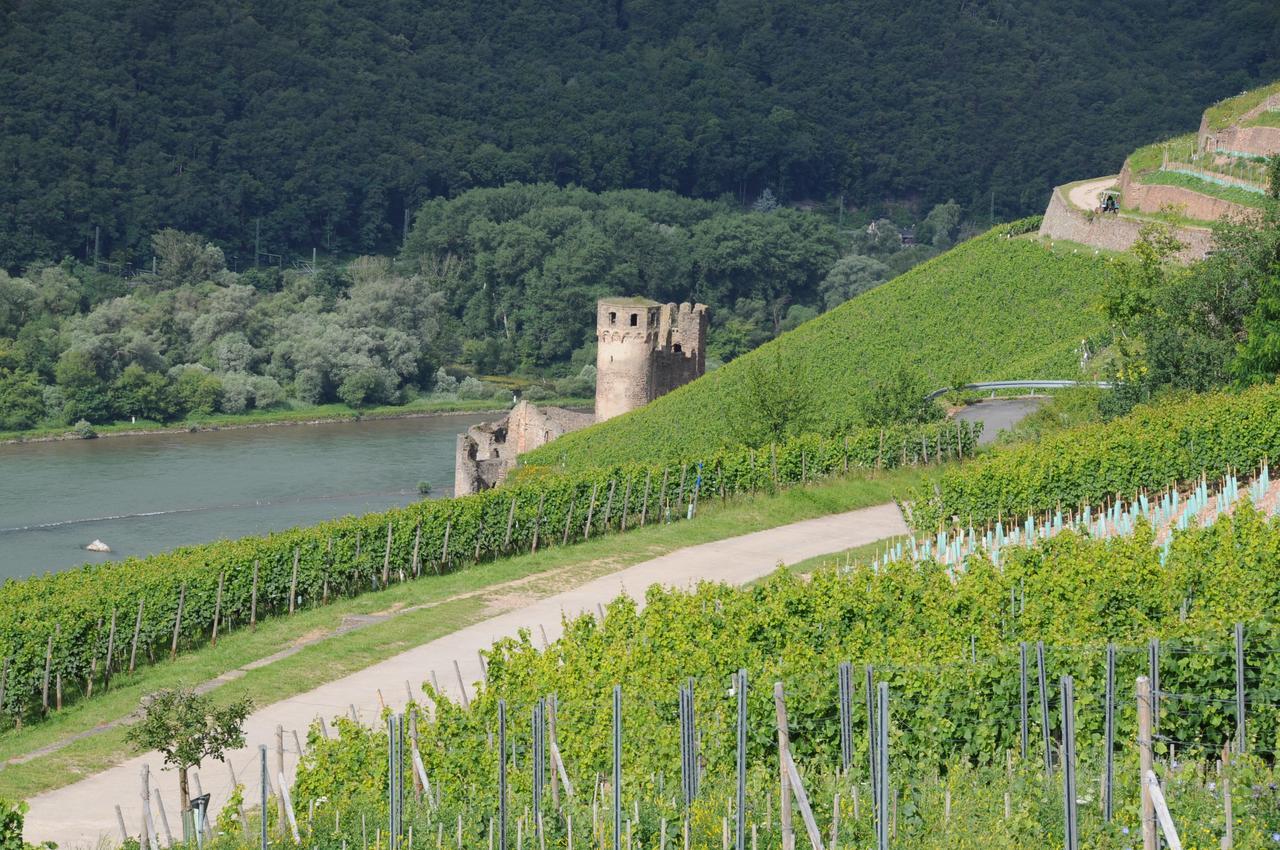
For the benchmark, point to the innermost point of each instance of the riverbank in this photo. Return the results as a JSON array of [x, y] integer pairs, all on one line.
[[319, 414]]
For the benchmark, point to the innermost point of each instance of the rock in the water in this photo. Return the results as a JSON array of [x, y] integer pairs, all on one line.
[[98, 546]]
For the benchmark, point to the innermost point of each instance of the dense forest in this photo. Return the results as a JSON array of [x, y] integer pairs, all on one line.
[[495, 281], [286, 127]]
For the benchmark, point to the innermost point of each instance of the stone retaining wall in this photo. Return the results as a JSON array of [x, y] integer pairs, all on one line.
[[1112, 232]]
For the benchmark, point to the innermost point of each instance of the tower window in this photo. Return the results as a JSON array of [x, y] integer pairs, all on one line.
[[613, 318], [677, 348], [635, 319]]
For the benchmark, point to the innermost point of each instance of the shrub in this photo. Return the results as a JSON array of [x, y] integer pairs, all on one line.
[[472, 389]]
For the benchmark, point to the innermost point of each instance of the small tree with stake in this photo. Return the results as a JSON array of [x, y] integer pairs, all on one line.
[[187, 728]]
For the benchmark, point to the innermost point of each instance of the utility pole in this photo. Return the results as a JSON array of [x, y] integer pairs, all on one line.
[[97, 242], [257, 241]]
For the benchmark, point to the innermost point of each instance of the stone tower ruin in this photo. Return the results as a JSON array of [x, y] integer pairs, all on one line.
[[644, 350]]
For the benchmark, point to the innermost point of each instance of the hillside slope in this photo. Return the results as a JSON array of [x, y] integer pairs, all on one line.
[[325, 122], [994, 307]]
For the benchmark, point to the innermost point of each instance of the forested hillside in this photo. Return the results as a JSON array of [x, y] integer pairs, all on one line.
[[327, 122]]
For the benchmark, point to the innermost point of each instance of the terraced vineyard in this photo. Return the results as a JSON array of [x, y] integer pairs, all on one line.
[[994, 307]]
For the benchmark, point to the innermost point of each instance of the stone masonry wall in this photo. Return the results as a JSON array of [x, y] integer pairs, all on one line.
[[1260, 141], [487, 453], [1111, 232], [1151, 198]]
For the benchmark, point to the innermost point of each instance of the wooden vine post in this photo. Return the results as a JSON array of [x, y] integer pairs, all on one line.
[[253, 600], [217, 609], [386, 559], [415, 563], [444, 549], [784, 778], [177, 621], [137, 628], [586, 528], [1145, 761], [44, 689], [111, 649], [537, 522], [568, 519], [293, 582], [511, 521], [644, 508]]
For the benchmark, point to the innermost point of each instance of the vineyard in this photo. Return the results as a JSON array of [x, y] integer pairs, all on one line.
[[1024, 310], [1151, 448], [976, 741], [63, 634]]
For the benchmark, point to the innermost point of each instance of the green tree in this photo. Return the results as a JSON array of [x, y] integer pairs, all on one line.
[[86, 395], [138, 392], [850, 276], [941, 225], [187, 728], [772, 402], [1273, 176], [184, 258], [900, 398], [21, 400], [198, 390], [1258, 357]]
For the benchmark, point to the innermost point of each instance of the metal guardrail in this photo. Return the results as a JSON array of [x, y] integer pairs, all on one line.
[[1021, 385]]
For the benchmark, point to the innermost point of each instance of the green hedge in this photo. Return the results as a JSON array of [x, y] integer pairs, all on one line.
[[1151, 448], [68, 615]]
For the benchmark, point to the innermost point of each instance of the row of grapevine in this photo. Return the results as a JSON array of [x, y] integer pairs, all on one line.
[[949, 645], [1149, 449], [61, 632]]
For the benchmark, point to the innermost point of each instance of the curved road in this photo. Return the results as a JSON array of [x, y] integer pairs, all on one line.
[[83, 814], [999, 414], [1085, 195]]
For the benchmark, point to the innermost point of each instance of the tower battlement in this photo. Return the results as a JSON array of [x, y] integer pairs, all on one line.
[[644, 350]]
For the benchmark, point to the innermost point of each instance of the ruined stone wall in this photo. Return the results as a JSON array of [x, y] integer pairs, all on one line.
[[1111, 232], [681, 355], [487, 453]]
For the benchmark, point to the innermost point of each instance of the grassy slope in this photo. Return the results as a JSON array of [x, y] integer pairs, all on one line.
[[1204, 187], [991, 308], [1224, 113]]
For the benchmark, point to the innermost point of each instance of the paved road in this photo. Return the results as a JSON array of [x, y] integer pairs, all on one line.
[[1085, 196], [998, 414], [82, 814]]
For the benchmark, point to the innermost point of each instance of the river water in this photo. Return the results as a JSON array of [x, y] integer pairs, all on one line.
[[147, 494]]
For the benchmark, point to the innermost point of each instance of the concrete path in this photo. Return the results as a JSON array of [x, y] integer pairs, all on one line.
[[81, 815], [1085, 196]]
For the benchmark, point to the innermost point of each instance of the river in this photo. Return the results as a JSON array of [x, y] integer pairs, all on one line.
[[147, 494]]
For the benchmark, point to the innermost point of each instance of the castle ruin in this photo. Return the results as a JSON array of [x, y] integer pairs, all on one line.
[[644, 349]]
